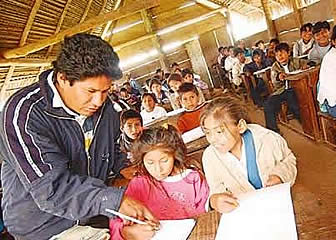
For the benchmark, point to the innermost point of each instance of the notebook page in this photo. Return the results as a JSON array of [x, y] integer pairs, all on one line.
[[263, 214], [174, 229], [193, 135]]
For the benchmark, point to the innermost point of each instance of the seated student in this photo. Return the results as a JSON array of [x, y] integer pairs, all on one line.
[[131, 126], [322, 45], [168, 183], [260, 87], [175, 81], [237, 68], [150, 110], [282, 89], [188, 76], [230, 60], [326, 95], [190, 101], [305, 44], [118, 103], [156, 88], [223, 53], [129, 98], [247, 52], [241, 157], [270, 53]]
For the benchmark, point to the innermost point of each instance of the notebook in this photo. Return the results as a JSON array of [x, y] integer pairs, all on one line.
[[174, 229], [193, 135], [263, 214], [83, 233]]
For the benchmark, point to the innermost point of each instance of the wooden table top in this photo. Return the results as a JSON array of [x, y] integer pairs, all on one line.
[[314, 220]]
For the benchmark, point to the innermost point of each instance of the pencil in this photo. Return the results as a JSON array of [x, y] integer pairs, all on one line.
[[123, 216]]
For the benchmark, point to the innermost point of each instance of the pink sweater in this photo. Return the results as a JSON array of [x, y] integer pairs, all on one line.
[[187, 195]]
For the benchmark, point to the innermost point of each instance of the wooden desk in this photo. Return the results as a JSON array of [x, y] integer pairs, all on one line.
[[314, 220], [197, 145], [304, 84]]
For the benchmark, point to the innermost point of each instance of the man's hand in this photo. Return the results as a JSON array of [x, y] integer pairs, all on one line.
[[282, 76], [273, 180], [223, 202], [136, 209], [138, 232]]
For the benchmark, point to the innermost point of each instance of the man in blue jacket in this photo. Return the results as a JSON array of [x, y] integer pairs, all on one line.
[[59, 144]]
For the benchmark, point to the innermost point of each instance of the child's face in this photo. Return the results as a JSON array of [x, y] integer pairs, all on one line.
[[148, 103], [188, 78], [223, 137], [189, 100], [322, 37], [133, 128], [124, 94], [307, 35], [156, 88], [159, 164], [282, 56], [257, 59], [175, 85]]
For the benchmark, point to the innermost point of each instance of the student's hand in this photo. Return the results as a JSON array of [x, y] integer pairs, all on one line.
[[282, 76], [136, 209], [273, 180], [223, 202], [137, 232]]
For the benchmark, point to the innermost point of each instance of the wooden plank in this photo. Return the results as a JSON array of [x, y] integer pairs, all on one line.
[[25, 62], [134, 41], [268, 15], [87, 9], [30, 21], [132, 8], [7, 80], [109, 26]]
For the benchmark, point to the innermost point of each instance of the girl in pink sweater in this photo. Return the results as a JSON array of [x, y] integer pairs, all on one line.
[[168, 183]]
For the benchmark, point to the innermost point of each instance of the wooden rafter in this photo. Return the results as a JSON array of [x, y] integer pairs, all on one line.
[[101, 11], [131, 9], [110, 24], [208, 4], [25, 62], [134, 41], [7, 80], [59, 24], [30, 22], [87, 9]]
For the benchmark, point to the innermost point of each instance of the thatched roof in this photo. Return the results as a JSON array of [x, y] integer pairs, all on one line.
[[31, 30]]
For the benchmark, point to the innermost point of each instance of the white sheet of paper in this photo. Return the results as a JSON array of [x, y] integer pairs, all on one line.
[[263, 214], [261, 71], [192, 135], [175, 112], [174, 229], [83, 233]]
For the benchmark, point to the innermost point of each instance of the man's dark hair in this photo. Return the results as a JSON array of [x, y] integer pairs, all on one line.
[[275, 40], [220, 49], [187, 71], [319, 26], [236, 51], [333, 35], [83, 56], [306, 27], [260, 41], [129, 114], [187, 87], [282, 46]]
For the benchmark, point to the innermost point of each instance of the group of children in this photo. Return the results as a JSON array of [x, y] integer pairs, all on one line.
[[241, 157]]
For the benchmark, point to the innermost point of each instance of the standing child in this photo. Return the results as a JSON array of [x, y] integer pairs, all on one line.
[[190, 101], [241, 157], [150, 110], [168, 184]]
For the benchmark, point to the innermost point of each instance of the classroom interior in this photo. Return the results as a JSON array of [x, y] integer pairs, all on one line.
[[153, 34]]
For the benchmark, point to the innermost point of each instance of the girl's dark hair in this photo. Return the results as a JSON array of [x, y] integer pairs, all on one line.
[[154, 81], [169, 140], [147, 94], [223, 107], [129, 114], [187, 87], [187, 71], [84, 55], [175, 77]]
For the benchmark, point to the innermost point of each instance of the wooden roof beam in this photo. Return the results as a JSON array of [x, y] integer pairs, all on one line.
[[87, 9], [132, 8], [109, 26], [208, 4], [268, 15], [30, 22], [26, 62]]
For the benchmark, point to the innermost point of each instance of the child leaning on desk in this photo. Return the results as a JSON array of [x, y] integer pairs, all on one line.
[[168, 183], [241, 157]]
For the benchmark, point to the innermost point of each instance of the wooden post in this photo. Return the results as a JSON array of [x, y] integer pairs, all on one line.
[[149, 26], [297, 13], [133, 7], [333, 3], [268, 15], [229, 29]]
